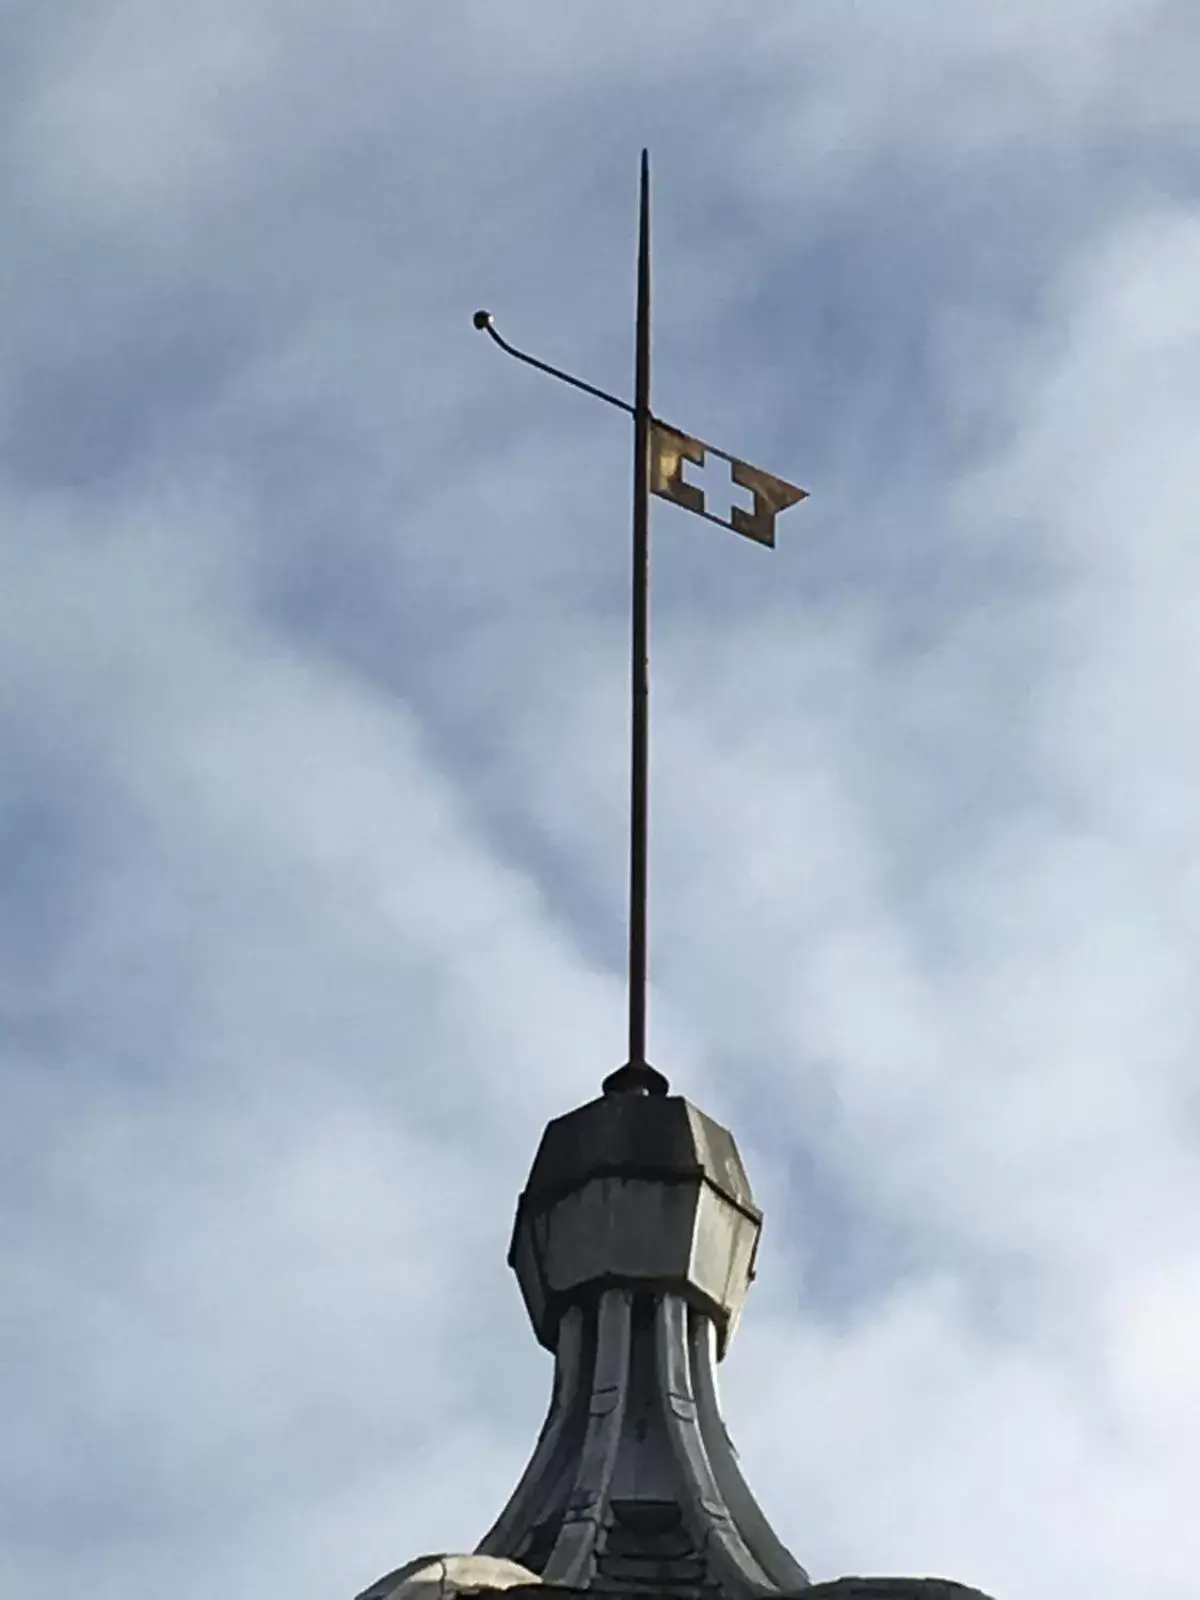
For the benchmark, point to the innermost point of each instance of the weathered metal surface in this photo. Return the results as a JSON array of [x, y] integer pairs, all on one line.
[[552, 1466], [437, 1577], [665, 1137], [647, 1510], [638, 1190], [573, 1558], [732, 1564], [776, 1560], [634, 1246]]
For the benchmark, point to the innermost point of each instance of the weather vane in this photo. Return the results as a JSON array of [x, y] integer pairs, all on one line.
[[659, 454]]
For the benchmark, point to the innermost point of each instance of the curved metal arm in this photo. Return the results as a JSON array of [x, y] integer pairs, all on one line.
[[483, 321]]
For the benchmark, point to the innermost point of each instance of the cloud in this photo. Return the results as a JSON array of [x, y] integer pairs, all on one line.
[[312, 700]]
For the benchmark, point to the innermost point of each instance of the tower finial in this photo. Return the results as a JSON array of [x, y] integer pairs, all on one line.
[[659, 455]]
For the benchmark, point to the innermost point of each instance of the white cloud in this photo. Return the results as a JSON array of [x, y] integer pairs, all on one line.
[[312, 723]]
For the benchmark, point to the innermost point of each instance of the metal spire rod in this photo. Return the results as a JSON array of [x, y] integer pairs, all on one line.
[[659, 454], [637, 1075]]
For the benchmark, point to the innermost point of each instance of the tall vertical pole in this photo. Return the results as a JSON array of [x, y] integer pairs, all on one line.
[[637, 1076], [771, 495], [640, 765]]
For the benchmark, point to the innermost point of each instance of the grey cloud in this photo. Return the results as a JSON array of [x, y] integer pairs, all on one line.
[[311, 675]]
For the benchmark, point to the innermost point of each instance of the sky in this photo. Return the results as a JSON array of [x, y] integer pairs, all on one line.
[[313, 719]]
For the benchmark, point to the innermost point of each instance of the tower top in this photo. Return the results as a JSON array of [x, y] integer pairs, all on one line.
[[635, 1240], [634, 1246]]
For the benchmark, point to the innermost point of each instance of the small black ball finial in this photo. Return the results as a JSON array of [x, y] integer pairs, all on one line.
[[482, 320]]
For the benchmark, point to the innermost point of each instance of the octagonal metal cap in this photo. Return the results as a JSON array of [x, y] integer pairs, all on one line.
[[642, 1191]]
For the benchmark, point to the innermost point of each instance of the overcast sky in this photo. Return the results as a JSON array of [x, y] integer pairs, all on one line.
[[313, 655]]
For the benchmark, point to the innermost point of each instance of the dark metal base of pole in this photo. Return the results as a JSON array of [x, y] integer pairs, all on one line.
[[635, 1077]]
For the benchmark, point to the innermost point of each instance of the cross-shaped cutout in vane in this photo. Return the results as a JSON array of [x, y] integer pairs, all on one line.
[[715, 481], [719, 496]]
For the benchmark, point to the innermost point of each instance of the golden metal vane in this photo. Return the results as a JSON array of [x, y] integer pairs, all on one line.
[[670, 449]]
